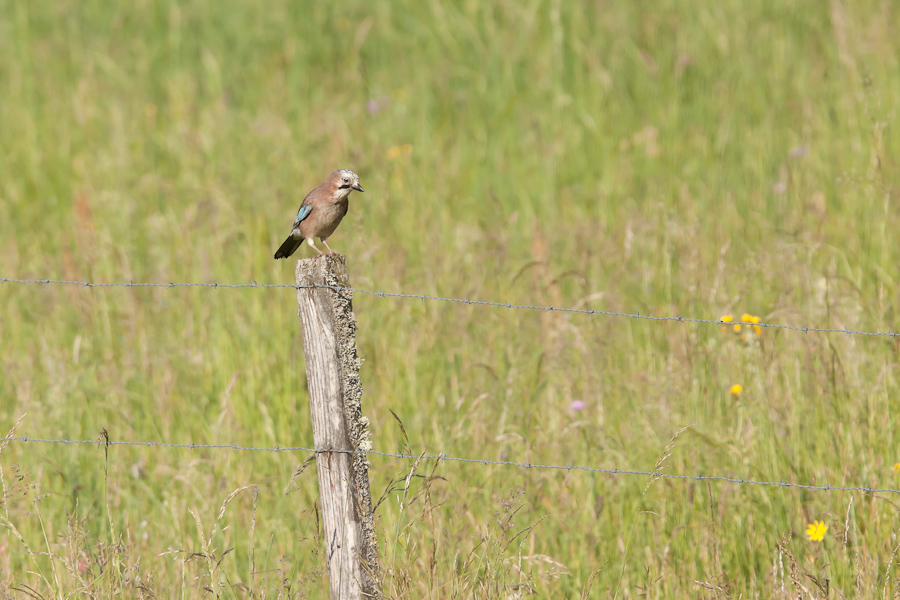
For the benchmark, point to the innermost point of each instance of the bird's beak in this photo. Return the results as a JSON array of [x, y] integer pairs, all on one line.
[[357, 187]]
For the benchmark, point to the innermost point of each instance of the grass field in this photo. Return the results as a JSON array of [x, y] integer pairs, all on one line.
[[667, 158]]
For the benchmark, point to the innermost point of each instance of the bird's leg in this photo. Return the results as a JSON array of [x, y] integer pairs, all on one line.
[[327, 246], [310, 242]]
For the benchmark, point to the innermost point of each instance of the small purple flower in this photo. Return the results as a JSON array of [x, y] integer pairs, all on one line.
[[374, 106], [578, 405], [779, 188]]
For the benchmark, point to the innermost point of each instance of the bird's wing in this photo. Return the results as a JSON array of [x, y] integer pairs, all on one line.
[[302, 214]]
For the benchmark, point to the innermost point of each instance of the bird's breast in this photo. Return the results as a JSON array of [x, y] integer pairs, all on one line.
[[324, 219]]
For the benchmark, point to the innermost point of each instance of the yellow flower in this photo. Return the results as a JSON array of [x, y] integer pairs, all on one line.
[[725, 319], [736, 390], [747, 318], [737, 328], [816, 531], [395, 152], [896, 467]]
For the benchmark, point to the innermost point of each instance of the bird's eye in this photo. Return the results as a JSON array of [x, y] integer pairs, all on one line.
[[345, 180]]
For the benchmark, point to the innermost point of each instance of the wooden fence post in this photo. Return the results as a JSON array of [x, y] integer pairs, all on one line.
[[332, 370]]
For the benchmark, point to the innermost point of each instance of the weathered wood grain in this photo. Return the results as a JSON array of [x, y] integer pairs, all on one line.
[[332, 369]]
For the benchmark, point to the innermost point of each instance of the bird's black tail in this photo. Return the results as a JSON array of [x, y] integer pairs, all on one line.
[[289, 246]]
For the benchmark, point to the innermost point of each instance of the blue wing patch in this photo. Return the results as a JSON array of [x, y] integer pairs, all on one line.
[[303, 213]]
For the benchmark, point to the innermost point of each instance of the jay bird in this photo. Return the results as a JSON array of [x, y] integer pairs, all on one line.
[[321, 212]]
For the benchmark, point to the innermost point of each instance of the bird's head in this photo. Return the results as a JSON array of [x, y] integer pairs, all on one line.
[[343, 181]]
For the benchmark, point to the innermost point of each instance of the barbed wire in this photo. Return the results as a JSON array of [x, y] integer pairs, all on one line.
[[102, 441], [423, 297]]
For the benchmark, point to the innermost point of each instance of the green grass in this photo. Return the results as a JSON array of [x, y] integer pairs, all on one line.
[[622, 156]]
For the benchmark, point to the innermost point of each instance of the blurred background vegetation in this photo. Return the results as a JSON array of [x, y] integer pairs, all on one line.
[[667, 158]]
